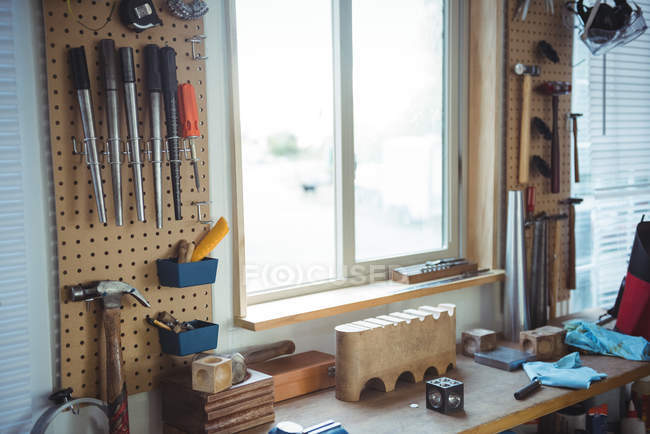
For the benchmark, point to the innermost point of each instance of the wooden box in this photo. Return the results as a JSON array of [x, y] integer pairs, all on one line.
[[478, 341], [545, 342]]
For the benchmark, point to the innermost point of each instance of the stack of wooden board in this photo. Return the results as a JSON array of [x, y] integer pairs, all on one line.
[[241, 407]]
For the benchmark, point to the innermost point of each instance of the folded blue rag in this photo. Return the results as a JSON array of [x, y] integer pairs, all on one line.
[[566, 372], [588, 336]]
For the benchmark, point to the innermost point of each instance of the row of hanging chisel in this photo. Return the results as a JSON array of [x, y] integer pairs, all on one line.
[[180, 109]]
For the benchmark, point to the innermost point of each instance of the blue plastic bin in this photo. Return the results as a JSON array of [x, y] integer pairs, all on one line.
[[204, 337], [175, 275]]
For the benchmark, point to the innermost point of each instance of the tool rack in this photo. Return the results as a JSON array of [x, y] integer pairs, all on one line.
[[521, 47], [89, 250]]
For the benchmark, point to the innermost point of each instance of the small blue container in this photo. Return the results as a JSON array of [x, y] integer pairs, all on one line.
[[175, 275], [204, 337]]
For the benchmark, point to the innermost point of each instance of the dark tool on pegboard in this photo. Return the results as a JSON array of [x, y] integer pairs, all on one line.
[[190, 120], [154, 146], [540, 126], [113, 140], [571, 272], [133, 150], [576, 166], [139, 15], [528, 389], [547, 51], [445, 395], [530, 202], [110, 293], [193, 10], [528, 71], [169, 89], [82, 86], [541, 166], [555, 89]]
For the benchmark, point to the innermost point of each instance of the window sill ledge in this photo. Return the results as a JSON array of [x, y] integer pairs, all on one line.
[[273, 314]]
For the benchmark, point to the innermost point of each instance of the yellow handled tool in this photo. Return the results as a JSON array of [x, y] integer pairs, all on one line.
[[210, 241]]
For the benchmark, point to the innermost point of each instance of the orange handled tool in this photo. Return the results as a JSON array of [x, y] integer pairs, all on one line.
[[189, 114]]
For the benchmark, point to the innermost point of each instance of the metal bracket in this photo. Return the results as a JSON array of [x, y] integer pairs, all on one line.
[[198, 212], [196, 39]]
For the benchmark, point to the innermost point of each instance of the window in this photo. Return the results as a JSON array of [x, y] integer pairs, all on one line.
[[347, 128], [611, 91]]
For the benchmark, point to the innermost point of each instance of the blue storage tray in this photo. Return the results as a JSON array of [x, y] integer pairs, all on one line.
[[204, 337], [175, 275]]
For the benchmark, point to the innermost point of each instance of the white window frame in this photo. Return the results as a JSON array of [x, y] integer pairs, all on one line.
[[350, 272]]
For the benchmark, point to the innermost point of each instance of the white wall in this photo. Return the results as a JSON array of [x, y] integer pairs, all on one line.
[[479, 306]]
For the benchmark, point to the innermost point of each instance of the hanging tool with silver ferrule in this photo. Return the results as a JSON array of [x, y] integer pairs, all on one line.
[[190, 120], [133, 141], [113, 141], [154, 86], [169, 88], [82, 85]]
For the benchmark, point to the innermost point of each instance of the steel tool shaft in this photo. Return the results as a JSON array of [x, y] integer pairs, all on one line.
[[154, 86], [169, 87], [133, 141], [113, 141], [82, 86], [190, 120]]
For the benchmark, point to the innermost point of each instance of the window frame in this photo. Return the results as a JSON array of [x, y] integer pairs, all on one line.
[[350, 272]]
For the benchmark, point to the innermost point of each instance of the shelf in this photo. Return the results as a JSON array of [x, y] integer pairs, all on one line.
[[295, 310]]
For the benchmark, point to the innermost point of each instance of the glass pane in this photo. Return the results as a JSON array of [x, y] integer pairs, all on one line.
[[398, 61], [286, 106]]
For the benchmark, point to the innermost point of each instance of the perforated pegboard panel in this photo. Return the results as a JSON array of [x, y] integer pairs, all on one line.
[[522, 40], [90, 251]]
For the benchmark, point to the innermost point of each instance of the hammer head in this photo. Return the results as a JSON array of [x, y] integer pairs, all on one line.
[[575, 115], [521, 69], [109, 291], [555, 88], [571, 201]]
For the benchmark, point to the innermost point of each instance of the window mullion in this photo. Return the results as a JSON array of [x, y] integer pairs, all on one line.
[[343, 133]]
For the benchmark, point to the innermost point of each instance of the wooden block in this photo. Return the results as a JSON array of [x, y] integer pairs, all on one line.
[[545, 342], [299, 374], [421, 273], [412, 341], [211, 374], [238, 408], [478, 340]]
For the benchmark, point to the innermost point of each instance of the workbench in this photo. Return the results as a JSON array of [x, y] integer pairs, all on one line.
[[489, 403]]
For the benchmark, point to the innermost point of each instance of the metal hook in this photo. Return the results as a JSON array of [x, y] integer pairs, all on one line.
[[196, 39], [198, 207]]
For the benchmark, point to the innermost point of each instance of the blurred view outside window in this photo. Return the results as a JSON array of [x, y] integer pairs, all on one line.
[[286, 98], [612, 92]]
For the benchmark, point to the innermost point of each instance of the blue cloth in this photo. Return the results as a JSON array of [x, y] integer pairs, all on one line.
[[588, 336], [566, 372]]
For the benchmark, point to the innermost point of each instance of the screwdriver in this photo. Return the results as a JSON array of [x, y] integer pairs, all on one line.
[[189, 114]]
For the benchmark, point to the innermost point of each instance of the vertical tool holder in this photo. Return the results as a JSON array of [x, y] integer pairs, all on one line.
[[89, 250], [521, 39]]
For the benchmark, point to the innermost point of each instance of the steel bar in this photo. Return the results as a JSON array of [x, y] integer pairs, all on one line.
[[154, 86]]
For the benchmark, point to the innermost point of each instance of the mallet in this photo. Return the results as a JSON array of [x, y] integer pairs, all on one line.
[[555, 89]]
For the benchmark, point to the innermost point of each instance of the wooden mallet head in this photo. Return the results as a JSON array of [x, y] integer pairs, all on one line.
[[555, 88]]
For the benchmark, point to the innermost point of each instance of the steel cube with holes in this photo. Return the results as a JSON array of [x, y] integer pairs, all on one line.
[[445, 395]]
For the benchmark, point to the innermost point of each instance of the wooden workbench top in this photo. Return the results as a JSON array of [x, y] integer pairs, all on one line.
[[489, 403]]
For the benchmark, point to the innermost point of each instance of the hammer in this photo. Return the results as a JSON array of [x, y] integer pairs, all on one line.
[[571, 273], [528, 71], [555, 89], [576, 170], [110, 293]]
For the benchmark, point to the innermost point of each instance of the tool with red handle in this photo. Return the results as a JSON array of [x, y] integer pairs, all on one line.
[[189, 114]]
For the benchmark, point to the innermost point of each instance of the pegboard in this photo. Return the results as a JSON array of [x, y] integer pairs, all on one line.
[[90, 251], [522, 40]]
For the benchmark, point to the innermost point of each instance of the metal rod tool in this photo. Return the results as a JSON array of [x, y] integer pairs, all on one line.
[[516, 313], [113, 141], [133, 141], [169, 88], [190, 120], [82, 86], [154, 86]]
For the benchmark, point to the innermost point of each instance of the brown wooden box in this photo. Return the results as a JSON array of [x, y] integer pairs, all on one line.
[[478, 341], [545, 342]]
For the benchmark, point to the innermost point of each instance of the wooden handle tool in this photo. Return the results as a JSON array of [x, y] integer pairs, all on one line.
[[524, 140], [262, 353], [210, 241]]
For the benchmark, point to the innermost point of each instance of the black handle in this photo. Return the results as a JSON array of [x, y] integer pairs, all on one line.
[[109, 63], [168, 70], [152, 67], [528, 389], [128, 68], [79, 68], [555, 149]]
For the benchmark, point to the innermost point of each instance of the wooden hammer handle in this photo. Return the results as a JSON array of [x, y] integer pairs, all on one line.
[[262, 353], [116, 388], [524, 139]]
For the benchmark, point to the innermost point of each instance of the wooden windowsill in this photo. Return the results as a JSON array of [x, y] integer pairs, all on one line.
[[294, 310]]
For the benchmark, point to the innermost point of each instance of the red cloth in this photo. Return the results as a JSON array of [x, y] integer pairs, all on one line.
[[634, 314]]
